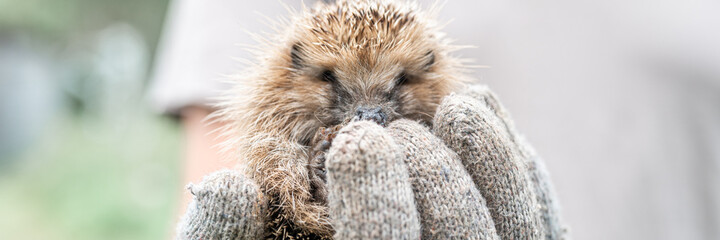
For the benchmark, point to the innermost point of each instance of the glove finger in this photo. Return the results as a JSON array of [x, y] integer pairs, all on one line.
[[485, 96], [225, 205], [487, 150], [549, 207], [449, 204], [544, 191], [369, 193]]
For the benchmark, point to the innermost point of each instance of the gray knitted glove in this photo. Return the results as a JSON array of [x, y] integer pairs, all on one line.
[[225, 205], [506, 170], [369, 191], [470, 177]]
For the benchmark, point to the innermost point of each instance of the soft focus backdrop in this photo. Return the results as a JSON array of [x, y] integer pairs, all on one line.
[[621, 98], [81, 154]]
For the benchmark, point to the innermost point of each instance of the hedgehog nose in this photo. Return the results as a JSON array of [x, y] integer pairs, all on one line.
[[374, 114]]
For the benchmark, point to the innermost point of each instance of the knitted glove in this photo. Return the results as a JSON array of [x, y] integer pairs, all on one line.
[[506, 170], [471, 177], [369, 191], [225, 205]]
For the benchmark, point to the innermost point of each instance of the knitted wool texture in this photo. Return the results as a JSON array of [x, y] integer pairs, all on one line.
[[477, 179], [492, 158], [543, 189], [225, 205], [450, 205], [369, 194]]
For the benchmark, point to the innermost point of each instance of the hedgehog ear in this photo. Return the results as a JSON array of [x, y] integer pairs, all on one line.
[[295, 53], [429, 60]]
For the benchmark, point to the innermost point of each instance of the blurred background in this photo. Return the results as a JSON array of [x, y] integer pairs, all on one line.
[[621, 98], [82, 156]]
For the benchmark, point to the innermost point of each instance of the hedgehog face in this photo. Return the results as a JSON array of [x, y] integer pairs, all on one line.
[[354, 89], [378, 60], [369, 62]]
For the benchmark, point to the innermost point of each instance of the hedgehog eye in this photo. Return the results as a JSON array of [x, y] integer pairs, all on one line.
[[328, 76], [401, 79]]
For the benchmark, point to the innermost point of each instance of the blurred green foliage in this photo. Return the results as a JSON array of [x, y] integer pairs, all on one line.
[[63, 20], [108, 171], [87, 180]]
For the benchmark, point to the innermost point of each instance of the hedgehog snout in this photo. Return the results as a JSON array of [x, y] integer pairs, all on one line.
[[375, 114]]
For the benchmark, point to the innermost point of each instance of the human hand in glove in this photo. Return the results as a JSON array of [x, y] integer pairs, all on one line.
[[470, 177]]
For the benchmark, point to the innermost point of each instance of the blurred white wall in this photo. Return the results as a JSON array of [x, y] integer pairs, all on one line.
[[622, 98]]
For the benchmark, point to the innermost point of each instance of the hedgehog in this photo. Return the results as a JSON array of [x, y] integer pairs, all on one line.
[[375, 60]]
